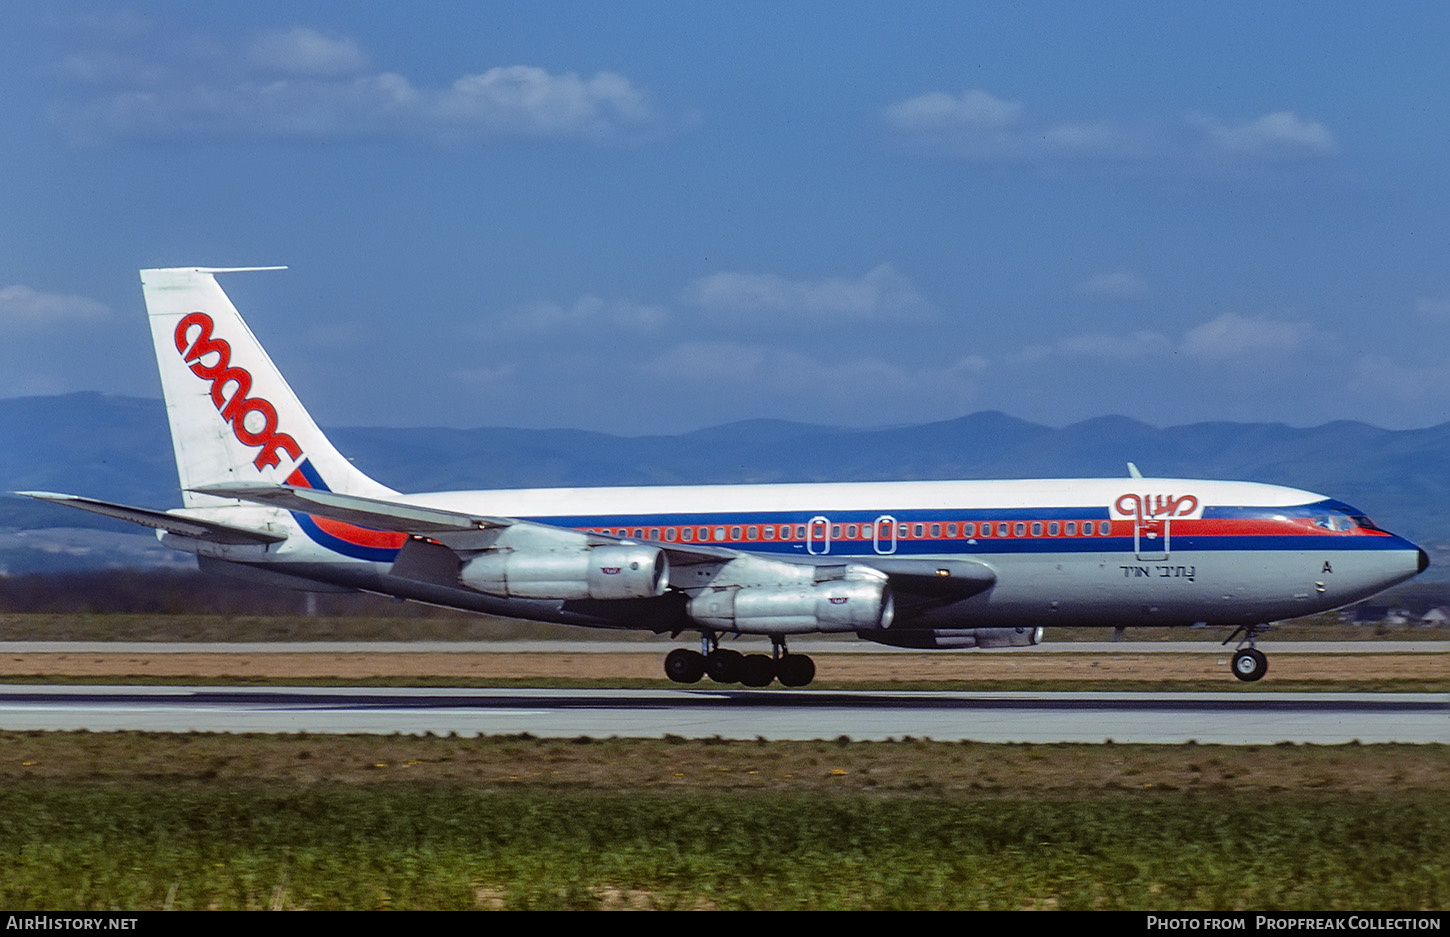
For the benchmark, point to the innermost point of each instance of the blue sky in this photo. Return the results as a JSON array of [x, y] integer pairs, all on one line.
[[655, 217]]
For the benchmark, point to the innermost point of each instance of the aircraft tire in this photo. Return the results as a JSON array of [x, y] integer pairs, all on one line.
[[683, 665], [1250, 664], [757, 670], [723, 666], [795, 670]]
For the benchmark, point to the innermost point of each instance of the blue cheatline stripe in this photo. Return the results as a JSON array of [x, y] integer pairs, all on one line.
[[332, 542]]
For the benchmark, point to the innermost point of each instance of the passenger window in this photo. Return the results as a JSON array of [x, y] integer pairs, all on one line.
[[1104, 528], [918, 530], [903, 531], [669, 535], [969, 530], [752, 533], [734, 533], [1052, 529], [1019, 529], [835, 531], [719, 534], [1071, 529], [850, 531], [935, 531], [951, 530], [687, 534], [1002, 529], [1037, 528]]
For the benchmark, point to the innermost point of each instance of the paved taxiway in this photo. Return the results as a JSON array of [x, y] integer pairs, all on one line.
[[1209, 718]]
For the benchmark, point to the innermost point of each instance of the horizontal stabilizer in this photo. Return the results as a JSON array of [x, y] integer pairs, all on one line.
[[352, 509], [161, 520]]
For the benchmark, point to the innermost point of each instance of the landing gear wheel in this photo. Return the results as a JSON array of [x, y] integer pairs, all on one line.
[[723, 666], [684, 666], [795, 670], [1250, 664], [757, 670]]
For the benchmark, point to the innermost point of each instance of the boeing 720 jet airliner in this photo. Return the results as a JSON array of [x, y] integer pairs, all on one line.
[[926, 565]]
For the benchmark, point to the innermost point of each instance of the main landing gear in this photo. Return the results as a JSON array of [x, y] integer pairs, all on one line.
[[1249, 663], [723, 665]]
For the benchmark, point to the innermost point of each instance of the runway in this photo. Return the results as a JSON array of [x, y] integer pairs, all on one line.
[[1230, 718]]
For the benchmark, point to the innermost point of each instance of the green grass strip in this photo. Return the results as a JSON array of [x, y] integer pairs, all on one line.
[[90, 845]]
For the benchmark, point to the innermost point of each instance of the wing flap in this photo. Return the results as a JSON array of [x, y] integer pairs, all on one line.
[[178, 524]]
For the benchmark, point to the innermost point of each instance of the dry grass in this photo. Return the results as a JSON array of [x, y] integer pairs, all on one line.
[[908, 766]]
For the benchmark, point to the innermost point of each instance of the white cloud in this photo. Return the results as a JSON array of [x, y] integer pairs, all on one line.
[[1433, 308], [588, 312], [1227, 339], [23, 307], [978, 125], [526, 100], [301, 83], [1117, 285], [1232, 336], [881, 294], [935, 111], [864, 384], [302, 51], [1282, 134], [486, 376], [1379, 376], [1096, 346]]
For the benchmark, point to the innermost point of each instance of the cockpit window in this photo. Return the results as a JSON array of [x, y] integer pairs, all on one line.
[[1333, 516], [1338, 516], [1333, 522]]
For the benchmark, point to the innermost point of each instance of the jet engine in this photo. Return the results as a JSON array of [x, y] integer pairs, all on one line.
[[956, 638], [799, 608], [599, 572]]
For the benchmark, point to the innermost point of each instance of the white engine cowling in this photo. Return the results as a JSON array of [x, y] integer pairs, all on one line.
[[804, 608], [603, 572], [956, 638]]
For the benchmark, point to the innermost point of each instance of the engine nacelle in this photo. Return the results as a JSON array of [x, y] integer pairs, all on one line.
[[603, 572], [804, 608], [956, 638]]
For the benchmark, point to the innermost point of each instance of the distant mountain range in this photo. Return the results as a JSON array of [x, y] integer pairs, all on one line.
[[119, 448]]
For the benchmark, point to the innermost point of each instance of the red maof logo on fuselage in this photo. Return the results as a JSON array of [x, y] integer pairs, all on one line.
[[234, 409], [1144, 507]]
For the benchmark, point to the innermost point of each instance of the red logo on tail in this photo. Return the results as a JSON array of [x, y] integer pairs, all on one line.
[[235, 408]]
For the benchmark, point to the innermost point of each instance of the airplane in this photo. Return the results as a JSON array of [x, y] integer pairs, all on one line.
[[911, 564]]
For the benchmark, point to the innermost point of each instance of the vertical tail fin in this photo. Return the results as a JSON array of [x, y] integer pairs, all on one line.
[[233, 417]]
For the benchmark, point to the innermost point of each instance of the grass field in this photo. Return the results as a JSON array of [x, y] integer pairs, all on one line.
[[139, 822]]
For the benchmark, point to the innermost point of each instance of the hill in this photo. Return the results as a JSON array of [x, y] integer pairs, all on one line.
[[119, 448]]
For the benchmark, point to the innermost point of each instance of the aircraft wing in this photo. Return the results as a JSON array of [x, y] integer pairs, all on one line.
[[435, 523], [178, 524], [353, 509], [925, 579]]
